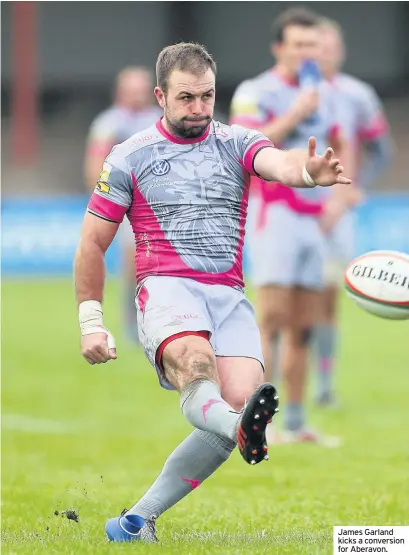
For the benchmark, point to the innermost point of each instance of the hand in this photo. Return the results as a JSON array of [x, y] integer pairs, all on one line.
[[98, 347], [306, 103], [325, 170]]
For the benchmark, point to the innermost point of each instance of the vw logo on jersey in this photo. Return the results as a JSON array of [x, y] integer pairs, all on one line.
[[161, 167]]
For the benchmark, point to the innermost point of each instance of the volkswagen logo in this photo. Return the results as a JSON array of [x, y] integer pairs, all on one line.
[[162, 167]]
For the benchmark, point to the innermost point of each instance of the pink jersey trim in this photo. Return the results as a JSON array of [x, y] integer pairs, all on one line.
[[106, 208], [277, 192], [251, 152], [379, 128], [179, 140], [151, 261], [143, 298], [335, 132], [255, 186]]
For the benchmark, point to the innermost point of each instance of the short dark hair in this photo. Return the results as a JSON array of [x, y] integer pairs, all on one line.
[[326, 23], [184, 56], [301, 17]]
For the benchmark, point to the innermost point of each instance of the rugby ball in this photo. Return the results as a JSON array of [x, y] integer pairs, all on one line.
[[378, 282]]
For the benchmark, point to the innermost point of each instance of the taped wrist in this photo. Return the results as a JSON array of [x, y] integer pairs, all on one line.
[[90, 317], [308, 180]]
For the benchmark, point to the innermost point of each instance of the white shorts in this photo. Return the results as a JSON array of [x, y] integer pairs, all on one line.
[[169, 306], [253, 211], [339, 249], [288, 250]]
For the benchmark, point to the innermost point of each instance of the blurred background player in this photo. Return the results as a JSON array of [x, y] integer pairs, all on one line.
[[132, 111], [364, 124], [286, 238]]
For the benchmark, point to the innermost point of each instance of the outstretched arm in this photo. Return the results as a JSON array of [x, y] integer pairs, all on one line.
[[299, 168]]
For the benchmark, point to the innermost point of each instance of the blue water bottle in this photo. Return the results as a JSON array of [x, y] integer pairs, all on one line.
[[309, 76]]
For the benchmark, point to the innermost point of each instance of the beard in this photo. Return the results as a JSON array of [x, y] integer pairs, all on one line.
[[185, 128]]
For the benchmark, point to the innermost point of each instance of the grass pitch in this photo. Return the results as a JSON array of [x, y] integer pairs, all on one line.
[[93, 439]]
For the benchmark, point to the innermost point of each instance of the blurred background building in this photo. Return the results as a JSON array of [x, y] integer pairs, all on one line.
[[59, 61]]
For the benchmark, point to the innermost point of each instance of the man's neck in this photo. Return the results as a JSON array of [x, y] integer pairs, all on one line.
[[285, 74]]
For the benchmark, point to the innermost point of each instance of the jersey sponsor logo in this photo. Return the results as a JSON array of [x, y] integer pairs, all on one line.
[[102, 187], [161, 167], [144, 138]]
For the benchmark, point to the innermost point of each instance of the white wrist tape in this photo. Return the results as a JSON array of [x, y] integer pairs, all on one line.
[[90, 317], [308, 180]]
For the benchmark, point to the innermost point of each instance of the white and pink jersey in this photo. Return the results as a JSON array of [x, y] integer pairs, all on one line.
[[360, 109], [257, 102], [186, 200]]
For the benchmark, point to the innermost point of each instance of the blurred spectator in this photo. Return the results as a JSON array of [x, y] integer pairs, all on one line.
[[287, 243], [364, 123], [132, 111]]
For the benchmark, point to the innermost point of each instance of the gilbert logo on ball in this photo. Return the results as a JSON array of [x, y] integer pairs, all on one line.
[[378, 282]]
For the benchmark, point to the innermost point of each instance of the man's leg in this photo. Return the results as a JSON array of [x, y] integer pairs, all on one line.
[[339, 251], [326, 343], [201, 453], [194, 460], [190, 366], [296, 348], [187, 362], [275, 253], [273, 304]]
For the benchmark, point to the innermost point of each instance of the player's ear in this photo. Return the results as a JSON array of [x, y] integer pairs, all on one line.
[[160, 96], [275, 49]]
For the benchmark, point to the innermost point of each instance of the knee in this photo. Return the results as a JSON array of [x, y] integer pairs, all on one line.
[[190, 361], [197, 362], [200, 365], [303, 336]]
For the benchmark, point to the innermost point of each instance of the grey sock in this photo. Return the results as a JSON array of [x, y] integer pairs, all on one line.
[[194, 460], [294, 418], [203, 406], [326, 337]]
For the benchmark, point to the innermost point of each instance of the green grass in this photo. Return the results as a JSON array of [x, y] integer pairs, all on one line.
[[93, 438]]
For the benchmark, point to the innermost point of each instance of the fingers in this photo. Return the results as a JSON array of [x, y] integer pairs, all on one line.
[[111, 341], [96, 355], [99, 354], [343, 180], [329, 153], [312, 147], [333, 163], [96, 352], [98, 348]]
